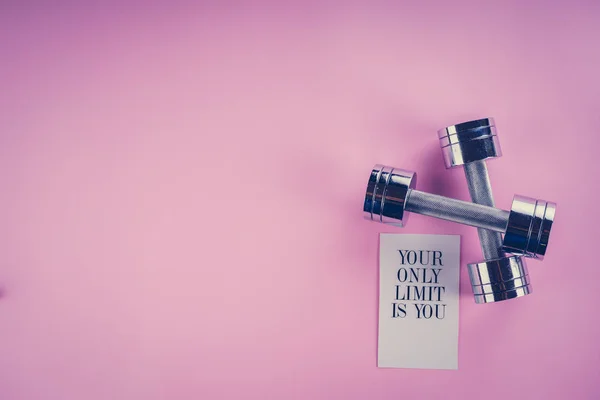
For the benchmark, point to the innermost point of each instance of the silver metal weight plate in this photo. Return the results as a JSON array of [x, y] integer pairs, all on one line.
[[529, 225], [385, 197], [469, 141], [500, 279]]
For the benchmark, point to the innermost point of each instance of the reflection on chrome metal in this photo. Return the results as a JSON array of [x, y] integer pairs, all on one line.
[[500, 279], [390, 195], [529, 225], [469, 141], [387, 190]]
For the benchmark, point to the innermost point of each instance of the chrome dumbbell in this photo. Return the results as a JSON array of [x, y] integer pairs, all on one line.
[[469, 144], [391, 195]]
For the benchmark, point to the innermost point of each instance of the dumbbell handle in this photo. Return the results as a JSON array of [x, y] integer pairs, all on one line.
[[463, 212], [480, 189], [469, 144]]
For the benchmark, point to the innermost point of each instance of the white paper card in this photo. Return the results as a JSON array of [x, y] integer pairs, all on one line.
[[418, 301]]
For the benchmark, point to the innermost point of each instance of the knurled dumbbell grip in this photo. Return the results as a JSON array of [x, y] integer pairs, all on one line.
[[480, 189], [462, 212]]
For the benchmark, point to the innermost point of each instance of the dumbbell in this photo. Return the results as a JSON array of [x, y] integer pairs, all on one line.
[[391, 195], [469, 144]]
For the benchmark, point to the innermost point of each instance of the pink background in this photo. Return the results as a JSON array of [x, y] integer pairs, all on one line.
[[182, 189]]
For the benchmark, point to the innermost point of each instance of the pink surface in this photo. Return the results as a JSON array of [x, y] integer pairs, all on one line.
[[182, 191]]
